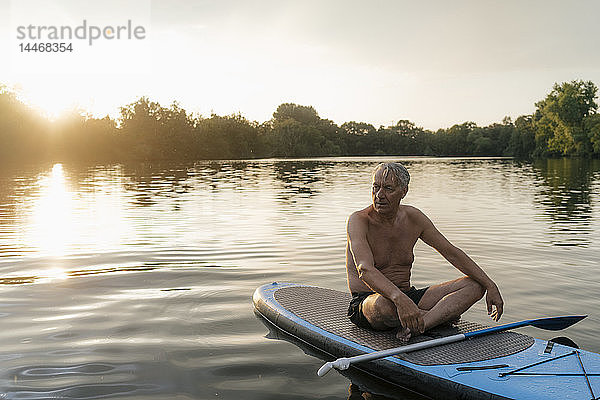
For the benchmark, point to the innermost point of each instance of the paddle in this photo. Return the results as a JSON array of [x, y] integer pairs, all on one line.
[[551, 324]]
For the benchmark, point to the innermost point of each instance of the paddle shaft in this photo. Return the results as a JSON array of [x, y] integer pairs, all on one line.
[[344, 362], [501, 328], [409, 348]]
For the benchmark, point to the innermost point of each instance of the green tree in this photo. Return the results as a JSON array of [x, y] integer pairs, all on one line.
[[150, 131], [303, 114], [23, 132], [492, 140], [522, 139], [291, 138], [358, 128], [298, 131], [231, 136], [591, 125], [405, 138], [480, 144], [559, 119], [457, 143], [358, 137], [140, 129], [175, 137], [333, 143], [80, 137], [102, 135]]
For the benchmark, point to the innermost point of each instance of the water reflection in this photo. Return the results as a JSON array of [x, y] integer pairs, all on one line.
[[300, 177], [354, 393], [235, 175], [51, 220], [566, 198], [65, 214], [149, 182], [54, 274]]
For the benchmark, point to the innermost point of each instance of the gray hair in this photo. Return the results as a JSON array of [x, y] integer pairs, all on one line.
[[399, 172]]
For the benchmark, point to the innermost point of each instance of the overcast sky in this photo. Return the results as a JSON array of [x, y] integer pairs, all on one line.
[[435, 63]]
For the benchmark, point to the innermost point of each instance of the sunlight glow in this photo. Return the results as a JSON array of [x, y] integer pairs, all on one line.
[[53, 274], [51, 98], [52, 222], [68, 216]]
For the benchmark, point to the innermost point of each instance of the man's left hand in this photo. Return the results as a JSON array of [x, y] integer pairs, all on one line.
[[495, 304]]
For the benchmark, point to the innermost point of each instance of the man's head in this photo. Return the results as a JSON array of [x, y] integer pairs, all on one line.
[[396, 171], [390, 184]]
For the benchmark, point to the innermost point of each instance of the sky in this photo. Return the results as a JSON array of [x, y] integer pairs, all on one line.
[[436, 63]]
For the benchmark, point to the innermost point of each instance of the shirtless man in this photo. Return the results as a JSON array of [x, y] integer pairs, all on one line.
[[379, 257]]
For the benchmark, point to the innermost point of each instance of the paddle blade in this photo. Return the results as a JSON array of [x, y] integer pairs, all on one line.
[[556, 323]]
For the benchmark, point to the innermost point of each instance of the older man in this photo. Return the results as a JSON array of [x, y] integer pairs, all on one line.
[[379, 259]]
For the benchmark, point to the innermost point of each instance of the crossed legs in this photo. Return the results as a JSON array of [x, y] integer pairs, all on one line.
[[440, 303]]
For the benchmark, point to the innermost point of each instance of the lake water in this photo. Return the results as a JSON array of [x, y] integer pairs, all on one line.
[[134, 281]]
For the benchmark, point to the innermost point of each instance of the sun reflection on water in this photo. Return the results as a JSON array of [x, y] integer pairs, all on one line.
[[68, 216], [53, 274], [52, 223]]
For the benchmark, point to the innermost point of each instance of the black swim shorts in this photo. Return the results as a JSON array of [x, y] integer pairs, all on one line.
[[355, 312]]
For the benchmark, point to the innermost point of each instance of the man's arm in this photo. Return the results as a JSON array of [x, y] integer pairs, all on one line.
[[408, 312], [461, 261]]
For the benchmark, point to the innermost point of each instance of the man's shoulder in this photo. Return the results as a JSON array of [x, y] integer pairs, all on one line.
[[364, 213], [360, 216], [413, 213], [411, 210]]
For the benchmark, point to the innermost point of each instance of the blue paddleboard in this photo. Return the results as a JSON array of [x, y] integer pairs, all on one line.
[[504, 365]]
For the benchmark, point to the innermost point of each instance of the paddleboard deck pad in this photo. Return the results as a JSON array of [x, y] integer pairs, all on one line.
[[495, 366]]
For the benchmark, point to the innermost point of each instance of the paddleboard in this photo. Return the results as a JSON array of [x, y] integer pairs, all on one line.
[[504, 365]]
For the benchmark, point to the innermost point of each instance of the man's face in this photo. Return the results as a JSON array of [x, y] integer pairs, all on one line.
[[386, 193]]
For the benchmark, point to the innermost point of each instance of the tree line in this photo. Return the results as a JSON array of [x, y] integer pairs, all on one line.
[[565, 123]]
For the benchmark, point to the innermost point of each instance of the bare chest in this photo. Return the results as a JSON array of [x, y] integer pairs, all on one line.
[[392, 246]]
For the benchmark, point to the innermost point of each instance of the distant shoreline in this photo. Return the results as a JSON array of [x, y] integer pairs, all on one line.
[[565, 123]]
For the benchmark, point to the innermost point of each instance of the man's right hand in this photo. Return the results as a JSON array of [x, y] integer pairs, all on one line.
[[410, 316]]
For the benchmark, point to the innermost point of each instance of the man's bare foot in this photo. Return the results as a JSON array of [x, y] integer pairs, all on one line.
[[403, 334]]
